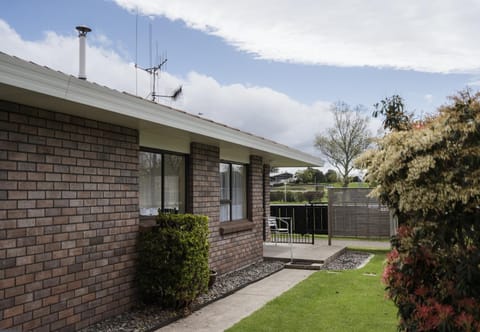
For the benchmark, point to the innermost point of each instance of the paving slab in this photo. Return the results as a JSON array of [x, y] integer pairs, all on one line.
[[315, 253], [319, 252], [224, 313]]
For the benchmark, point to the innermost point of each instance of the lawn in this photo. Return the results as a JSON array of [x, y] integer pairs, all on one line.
[[341, 301]]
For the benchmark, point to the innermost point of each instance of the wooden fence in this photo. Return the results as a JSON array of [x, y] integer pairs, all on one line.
[[352, 213]]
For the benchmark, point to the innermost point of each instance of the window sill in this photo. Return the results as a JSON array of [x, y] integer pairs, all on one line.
[[229, 227], [147, 221]]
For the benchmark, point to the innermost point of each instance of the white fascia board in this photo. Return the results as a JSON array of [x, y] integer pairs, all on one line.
[[29, 76]]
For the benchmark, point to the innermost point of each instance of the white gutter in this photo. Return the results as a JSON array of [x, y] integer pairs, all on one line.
[[26, 75]]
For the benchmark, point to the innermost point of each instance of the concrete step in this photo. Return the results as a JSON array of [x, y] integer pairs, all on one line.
[[304, 265]]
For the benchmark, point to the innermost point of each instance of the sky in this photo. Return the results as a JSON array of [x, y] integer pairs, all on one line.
[[272, 68]]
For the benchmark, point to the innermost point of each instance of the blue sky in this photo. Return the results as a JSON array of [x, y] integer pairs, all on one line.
[[271, 68]]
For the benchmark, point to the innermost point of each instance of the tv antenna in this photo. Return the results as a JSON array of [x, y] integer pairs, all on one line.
[[155, 70]]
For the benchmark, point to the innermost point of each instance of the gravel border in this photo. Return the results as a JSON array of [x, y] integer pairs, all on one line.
[[349, 260], [152, 317]]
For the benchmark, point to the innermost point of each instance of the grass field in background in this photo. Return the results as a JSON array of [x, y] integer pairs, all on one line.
[[342, 301]]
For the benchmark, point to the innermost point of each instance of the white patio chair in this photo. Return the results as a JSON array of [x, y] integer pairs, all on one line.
[[275, 229]]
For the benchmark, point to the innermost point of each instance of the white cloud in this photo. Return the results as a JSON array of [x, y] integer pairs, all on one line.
[[428, 98], [258, 110], [430, 36]]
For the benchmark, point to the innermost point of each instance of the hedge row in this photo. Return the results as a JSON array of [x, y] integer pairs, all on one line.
[[296, 196]]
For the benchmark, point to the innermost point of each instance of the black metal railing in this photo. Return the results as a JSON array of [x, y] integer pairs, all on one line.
[[306, 221]]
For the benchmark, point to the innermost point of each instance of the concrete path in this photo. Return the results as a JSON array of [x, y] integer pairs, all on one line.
[[224, 313]]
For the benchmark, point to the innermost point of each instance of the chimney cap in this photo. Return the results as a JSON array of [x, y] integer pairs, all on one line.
[[83, 29]]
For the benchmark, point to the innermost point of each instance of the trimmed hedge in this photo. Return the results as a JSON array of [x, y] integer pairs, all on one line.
[[297, 196], [172, 265]]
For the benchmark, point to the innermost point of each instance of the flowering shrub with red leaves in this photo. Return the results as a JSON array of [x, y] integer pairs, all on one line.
[[429, 176], [434, 283]]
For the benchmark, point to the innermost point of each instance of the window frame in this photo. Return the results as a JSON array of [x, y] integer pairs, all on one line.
[[230, 200], [186, 167]]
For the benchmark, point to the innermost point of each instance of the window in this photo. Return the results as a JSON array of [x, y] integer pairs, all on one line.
[[233, 191], [161, 182]]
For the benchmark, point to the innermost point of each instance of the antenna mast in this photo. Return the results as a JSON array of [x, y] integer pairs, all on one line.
[[154, 71]]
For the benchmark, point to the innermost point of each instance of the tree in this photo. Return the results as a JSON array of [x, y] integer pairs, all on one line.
[[428, 175], [356, 178], [310, 175], [393, 109], [346, 140], [331, 176]]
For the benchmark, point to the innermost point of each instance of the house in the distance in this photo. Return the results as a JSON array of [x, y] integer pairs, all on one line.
[[281, 178], [83, 166]]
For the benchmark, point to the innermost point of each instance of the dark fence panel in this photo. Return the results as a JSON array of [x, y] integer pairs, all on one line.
[[306, 219]]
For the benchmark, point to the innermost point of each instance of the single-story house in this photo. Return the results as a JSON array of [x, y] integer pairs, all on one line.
[[281, 178], [83, 166]]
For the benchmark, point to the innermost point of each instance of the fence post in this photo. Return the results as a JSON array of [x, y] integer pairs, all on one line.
[[313, 223], [330, 215]]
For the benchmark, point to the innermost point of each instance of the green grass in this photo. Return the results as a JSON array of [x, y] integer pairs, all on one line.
[[342, 301]]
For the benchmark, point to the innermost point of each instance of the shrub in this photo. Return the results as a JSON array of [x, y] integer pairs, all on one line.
[[313, 196], [172, 265], [429, 175], [276, 196]]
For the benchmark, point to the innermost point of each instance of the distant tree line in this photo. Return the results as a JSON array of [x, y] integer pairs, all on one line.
[[312, 175]]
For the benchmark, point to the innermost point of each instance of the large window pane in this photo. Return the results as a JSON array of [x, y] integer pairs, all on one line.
[[225, 181], [174, 179], [150, 182], [239, 192], [233, 192], [161, 182], [224, 211], [224, 192]]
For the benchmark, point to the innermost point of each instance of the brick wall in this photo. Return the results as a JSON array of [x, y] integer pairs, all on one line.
[[266, 200], [234, 250], [68, 219]]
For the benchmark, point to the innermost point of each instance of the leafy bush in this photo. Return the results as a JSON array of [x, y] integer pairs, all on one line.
[[313, 196], [173, 260], [276, 196], [429, 175]]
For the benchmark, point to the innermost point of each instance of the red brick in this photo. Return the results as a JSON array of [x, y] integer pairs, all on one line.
[[31, 325], [13, 311], [6, 323], [17, 194], [42, 312], [14, 271], [24, 298], [24, 279], [50, 300], [7, 283], [30, 306]]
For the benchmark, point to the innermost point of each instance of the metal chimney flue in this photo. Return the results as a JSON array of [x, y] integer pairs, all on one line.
[[82, 38]]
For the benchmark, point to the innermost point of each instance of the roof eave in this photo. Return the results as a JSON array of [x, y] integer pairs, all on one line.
[[41, 80]]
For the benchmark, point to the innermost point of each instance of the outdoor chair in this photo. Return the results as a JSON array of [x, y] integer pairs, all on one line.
[[275, 230]]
